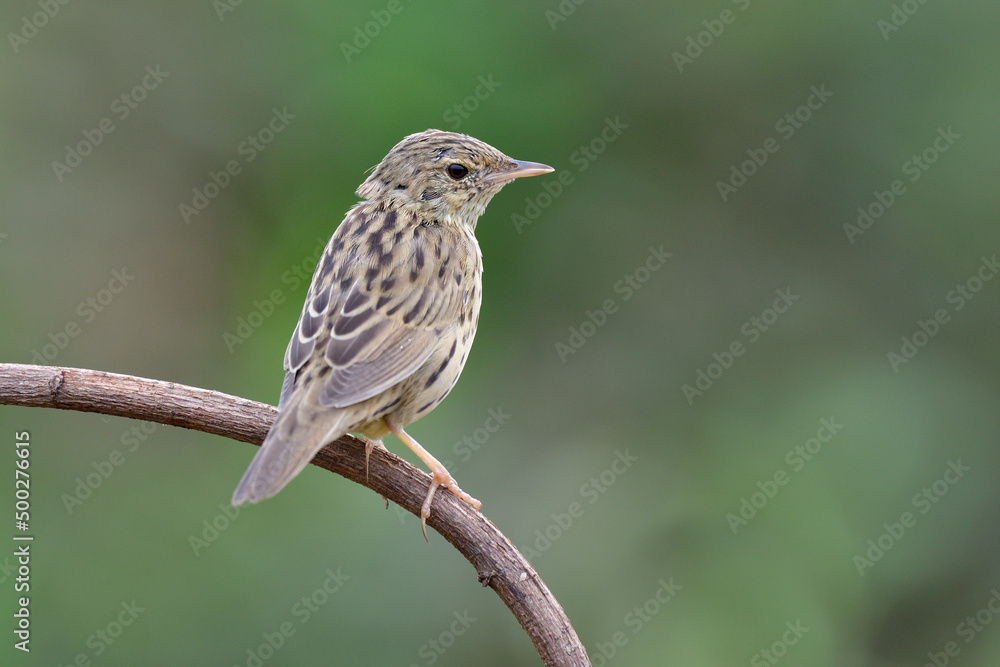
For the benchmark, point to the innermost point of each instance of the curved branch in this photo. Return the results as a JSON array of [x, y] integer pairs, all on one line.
[[498, 563]]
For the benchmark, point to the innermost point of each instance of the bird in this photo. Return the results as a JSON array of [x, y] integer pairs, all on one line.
[[391, 312]]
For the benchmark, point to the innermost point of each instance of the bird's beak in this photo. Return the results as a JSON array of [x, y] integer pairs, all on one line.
[[520, 170]]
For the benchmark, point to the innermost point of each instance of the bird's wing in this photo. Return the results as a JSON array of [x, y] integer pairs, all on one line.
[[383, 294]]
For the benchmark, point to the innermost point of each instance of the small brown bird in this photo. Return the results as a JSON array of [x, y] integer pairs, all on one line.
[[393, 307]]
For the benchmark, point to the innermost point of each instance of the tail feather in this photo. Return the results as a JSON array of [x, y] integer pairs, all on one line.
[[292, 442]]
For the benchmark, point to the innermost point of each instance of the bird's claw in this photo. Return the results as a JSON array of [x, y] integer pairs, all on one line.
[[443, 478]]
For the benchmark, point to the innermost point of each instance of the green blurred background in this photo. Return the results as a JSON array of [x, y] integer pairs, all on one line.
[[783, 582]]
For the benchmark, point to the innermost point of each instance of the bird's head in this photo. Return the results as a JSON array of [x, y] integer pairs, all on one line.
[[444, 177]]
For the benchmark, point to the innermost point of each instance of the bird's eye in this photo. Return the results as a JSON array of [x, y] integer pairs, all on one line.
[[457, 171]]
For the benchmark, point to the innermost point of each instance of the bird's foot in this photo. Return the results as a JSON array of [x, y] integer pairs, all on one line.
[[441, 477]]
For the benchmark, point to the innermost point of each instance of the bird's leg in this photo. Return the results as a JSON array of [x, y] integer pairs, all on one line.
[[439, 476], [369, 446]]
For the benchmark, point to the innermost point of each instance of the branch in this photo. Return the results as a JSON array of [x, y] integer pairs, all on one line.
[[498, 563]]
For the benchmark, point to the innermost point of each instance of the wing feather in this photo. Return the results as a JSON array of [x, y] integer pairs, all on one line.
[[374, 323]]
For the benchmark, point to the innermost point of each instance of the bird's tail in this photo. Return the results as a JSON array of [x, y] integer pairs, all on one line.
[[295, 437]]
